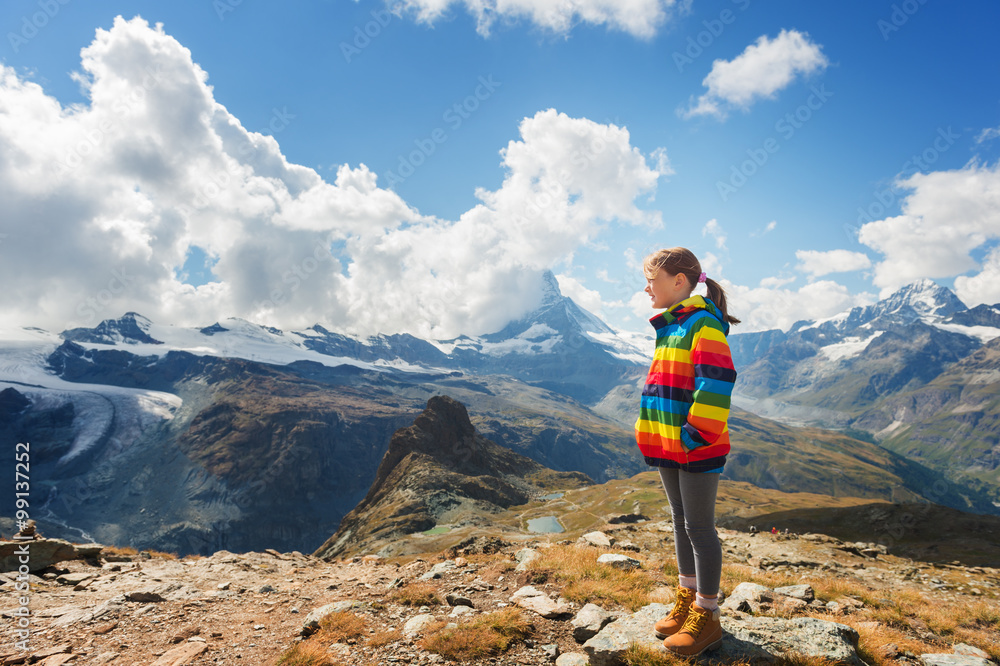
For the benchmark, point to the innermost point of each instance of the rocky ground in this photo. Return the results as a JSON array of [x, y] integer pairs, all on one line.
[[250, 608]]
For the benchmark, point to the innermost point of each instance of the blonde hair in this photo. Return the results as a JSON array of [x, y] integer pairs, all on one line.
[[680, 260]]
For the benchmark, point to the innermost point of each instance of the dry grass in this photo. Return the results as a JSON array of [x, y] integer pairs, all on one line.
[[341, 628], [125, 551], [383, 638], [873, 640], [734, 574], [416, 594], [640, 655], [308, 653], [486, 636], [585, 581]]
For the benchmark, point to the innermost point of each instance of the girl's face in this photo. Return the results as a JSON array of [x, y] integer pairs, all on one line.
[[666, 290]]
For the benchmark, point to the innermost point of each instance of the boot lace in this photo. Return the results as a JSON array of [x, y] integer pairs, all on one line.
[[683, 602], [695, 622]]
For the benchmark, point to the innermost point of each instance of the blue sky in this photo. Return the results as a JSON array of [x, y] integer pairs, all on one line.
[[817, 110]]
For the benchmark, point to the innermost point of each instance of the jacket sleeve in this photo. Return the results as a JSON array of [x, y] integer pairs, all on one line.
[[714, 377]]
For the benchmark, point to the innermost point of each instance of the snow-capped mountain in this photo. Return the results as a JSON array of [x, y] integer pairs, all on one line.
[[826, 371]]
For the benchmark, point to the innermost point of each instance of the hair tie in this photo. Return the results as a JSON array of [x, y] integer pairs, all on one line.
[[702, 277]]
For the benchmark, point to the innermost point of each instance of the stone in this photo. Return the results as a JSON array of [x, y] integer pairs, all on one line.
[[788, 605], [109, 608], [599, 539], [573, 659], [971, 650], [748, 598], [803, 592], [953, 660], [459, 611], [456, 600], [57, 660], [417, 624], [626, 518], [551, 651], [439, 570], [73, 578], [524, 558], [180, 655], [537, 601], [590, 620], [607, 646], [628, 545], [752, 639], [623, 562], [43, 553]]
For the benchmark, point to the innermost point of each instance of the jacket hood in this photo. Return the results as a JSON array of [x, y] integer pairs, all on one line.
[[693, 304]]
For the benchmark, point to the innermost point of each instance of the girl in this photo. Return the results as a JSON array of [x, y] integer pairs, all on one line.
[[682, 431]]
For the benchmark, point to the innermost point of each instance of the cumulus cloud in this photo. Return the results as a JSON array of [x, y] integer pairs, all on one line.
[[764, 68], [714, 229], [104, 201], [769, 307], [589, 299], [816, 263], [640, 18], [945, 216], [984, 286]]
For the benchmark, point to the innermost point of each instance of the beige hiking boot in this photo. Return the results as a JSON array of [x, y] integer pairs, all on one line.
[[701, 631], [672, 623]]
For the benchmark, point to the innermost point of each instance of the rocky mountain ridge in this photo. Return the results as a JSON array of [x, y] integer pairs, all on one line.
[[441, 470]]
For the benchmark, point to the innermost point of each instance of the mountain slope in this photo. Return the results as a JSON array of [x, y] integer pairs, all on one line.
[[843, 364], [952, 423], [439, 470]]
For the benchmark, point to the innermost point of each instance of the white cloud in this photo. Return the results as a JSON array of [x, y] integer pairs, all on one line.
[[771, 226], [639, 18], [588, 299], [775, 281], [763, 69], [713, 228], [816, 263], [984, 287], [946, 215], [988, 134], [103, 201], [763, 308]]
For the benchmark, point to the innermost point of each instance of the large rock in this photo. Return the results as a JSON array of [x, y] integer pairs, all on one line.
[[44, 553], [748, 598], [608, 646], [535, 600], [769, 639], [183, 654], [953, 660], [599, 539], [619, 561], [754, 639], [311, 624], [417, 624], [803, 592], [590, 620]]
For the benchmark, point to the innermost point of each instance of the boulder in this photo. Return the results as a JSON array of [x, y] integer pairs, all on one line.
[[752, 639], [44, 553], [311, 624], [524, 558], [590, 620], [748, 598], [417, 624], [803, 592], [623, 562], [953, 660], [599, 539], [537, 601], [573, 659]]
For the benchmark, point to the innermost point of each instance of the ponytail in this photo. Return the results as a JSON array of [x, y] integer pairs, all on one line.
[[677, 260], [718, 296]]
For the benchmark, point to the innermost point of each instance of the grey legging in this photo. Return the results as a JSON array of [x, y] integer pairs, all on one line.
[[692, 503]]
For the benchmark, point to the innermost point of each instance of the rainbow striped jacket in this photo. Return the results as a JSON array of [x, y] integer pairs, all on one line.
[[684, 408]]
